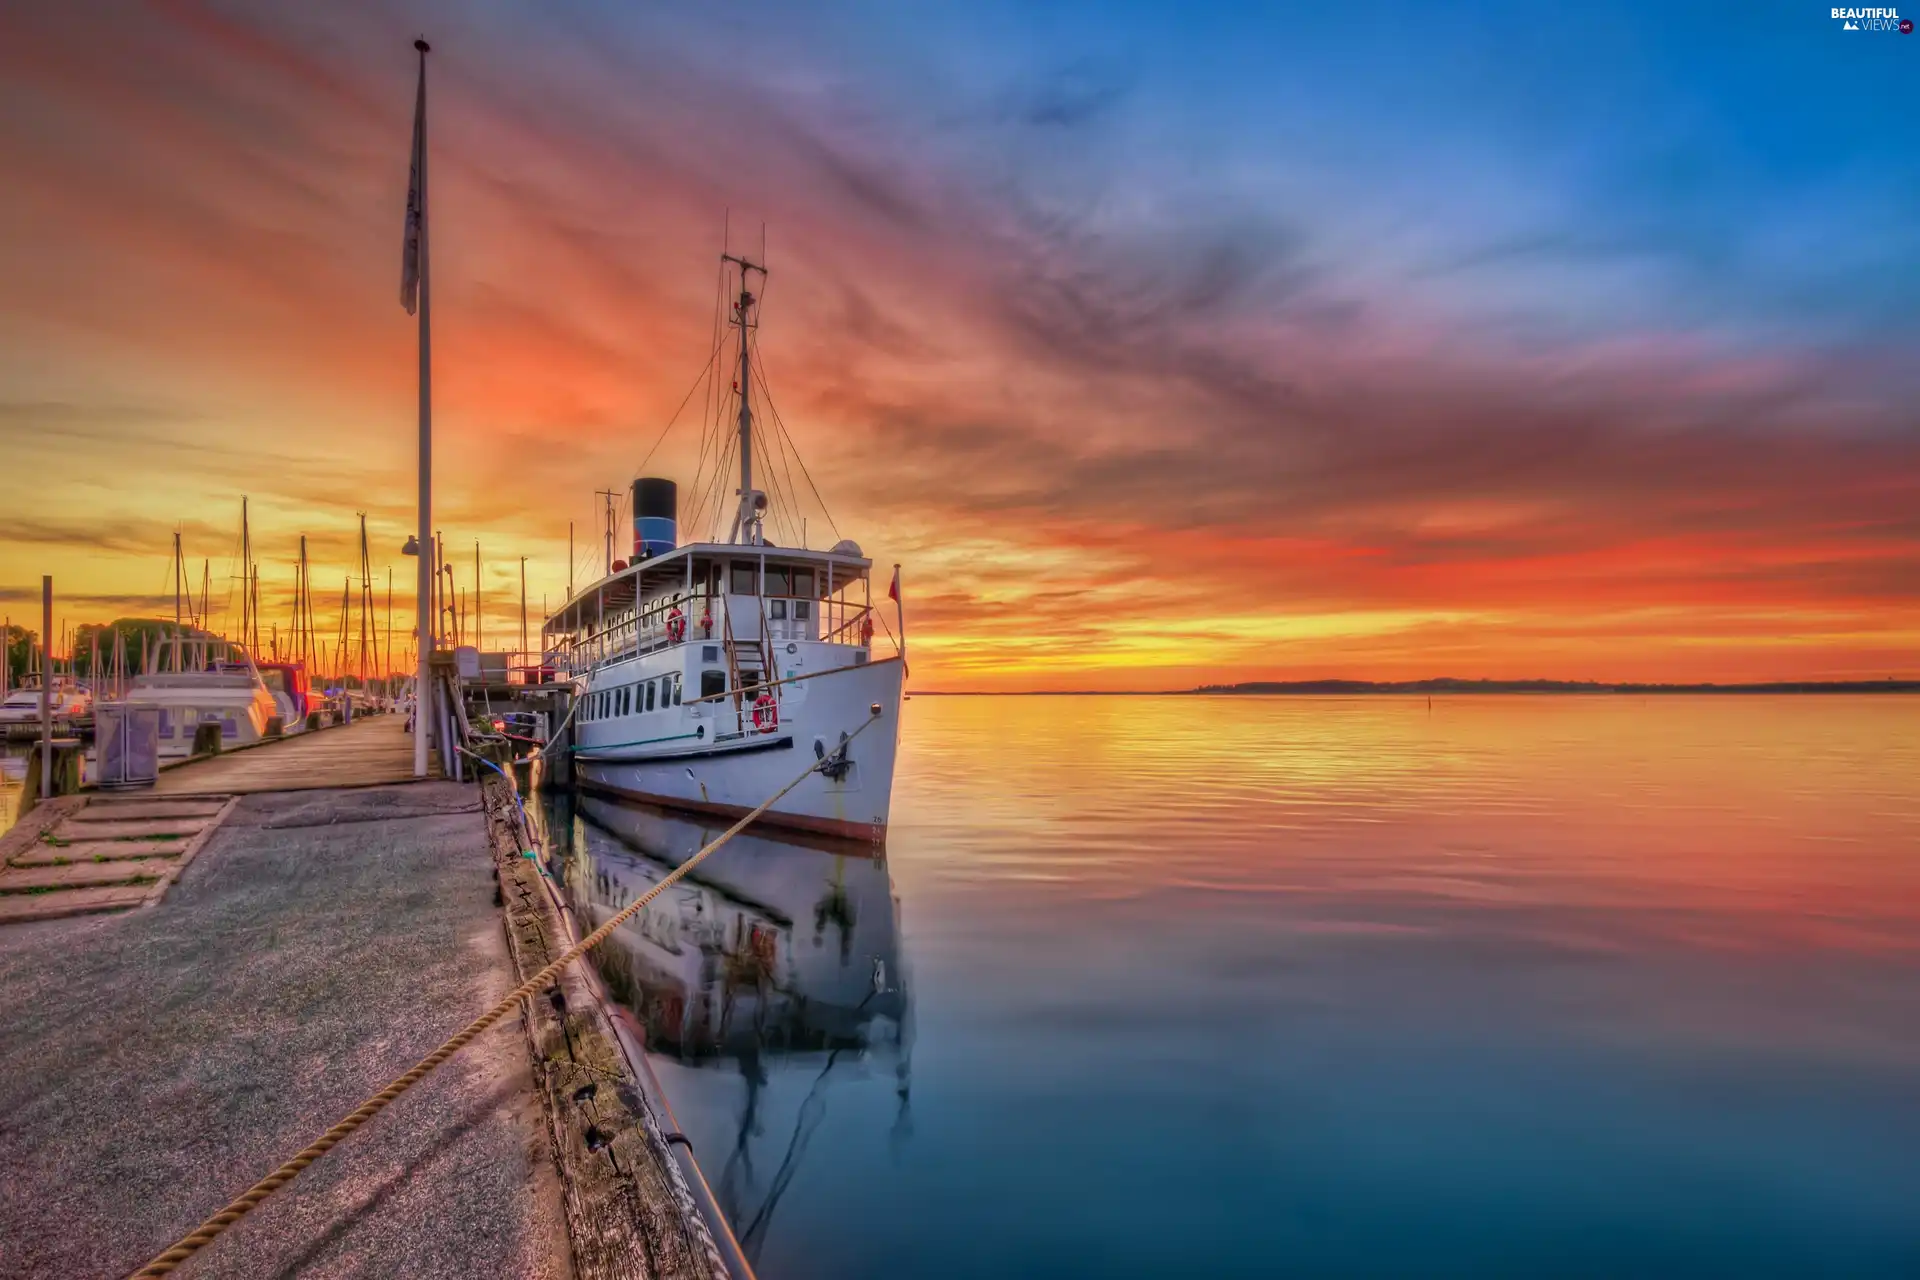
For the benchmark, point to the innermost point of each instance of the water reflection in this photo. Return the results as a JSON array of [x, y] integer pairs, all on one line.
[[774, 959]]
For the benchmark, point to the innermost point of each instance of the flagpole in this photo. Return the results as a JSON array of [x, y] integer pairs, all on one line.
[[900, 616], [423, 683]]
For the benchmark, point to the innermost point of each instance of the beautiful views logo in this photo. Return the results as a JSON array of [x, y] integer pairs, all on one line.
[[1873, 20]]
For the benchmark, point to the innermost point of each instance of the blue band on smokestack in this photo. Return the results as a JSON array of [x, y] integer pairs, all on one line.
[[656, 507]]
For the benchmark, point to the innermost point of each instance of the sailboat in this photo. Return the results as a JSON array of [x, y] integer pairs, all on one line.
[[708, 674], [200, 679]]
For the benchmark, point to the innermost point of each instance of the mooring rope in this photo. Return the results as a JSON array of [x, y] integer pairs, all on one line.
[[211, 1229]]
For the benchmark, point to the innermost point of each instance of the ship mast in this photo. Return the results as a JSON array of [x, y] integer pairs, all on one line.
[[746, 525]]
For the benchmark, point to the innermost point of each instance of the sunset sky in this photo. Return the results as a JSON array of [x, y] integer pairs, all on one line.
[[1161, 344]]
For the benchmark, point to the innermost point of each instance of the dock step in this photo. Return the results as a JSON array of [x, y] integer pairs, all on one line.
[[74, 875], [115, 828], [99, 854], [123, 810], [22, 908], [47, 855]]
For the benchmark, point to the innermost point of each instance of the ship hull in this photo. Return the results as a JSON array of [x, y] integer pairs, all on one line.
[[726, 767]]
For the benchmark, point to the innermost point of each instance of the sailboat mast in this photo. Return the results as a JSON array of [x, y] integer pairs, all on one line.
[[366, 605], [179, 578], [246, 575]]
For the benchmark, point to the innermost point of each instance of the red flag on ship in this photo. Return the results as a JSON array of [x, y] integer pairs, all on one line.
[[893, 590]]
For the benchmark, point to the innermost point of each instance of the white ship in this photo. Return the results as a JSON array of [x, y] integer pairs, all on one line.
[[709, 674]]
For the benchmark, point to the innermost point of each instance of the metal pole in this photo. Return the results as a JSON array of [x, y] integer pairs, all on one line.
[[423, 691], [523, 611], [46, 687]]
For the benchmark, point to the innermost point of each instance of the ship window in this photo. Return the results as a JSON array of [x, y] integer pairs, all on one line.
[[777, 610], [746, 578], [626, 700], [709, 653], [802, 610], [712, 682], [649, 695], [802, 586], [675, 677], [779, 580]]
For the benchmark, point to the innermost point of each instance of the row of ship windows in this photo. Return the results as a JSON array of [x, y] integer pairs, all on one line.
[[633, 699]]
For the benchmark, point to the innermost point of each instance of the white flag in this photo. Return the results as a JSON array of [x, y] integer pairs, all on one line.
[[416, 200]]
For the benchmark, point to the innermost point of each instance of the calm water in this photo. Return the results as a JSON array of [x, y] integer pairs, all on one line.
[[1238, 986]]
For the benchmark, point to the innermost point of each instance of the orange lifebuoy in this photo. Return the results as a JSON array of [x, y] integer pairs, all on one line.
[[866, 629], [676, 625], [766, 713]]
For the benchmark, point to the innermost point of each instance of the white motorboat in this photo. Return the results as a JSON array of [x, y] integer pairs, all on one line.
[[709, 674], [204, 689], [70, 707]]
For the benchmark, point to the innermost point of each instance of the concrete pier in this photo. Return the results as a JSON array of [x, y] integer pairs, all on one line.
[[155, 1064]]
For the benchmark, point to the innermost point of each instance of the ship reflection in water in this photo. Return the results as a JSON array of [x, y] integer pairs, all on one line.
[[775, 961]]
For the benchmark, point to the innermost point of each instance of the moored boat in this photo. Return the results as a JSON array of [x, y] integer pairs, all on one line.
[[70, 706], [224, 690], [708, 674]]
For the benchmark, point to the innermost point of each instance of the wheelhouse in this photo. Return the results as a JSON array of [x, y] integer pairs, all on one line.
[[725, 594]]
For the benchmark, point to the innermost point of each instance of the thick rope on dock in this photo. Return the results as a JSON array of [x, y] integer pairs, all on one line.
[[210, 1230]]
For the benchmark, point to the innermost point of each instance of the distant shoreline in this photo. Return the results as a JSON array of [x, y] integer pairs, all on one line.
[[1448, 685]]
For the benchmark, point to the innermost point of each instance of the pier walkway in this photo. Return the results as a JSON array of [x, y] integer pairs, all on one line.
[[375, 751], [153, 1064]]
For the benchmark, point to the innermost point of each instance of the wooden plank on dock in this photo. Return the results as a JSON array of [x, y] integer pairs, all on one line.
[[377, 751]]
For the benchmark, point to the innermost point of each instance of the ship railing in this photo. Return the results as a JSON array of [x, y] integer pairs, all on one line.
[[839, 621]]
